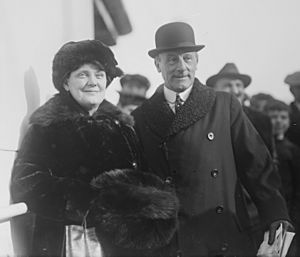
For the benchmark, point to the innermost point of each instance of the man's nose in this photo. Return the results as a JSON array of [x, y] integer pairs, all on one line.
[[234, 90], [181, 65]]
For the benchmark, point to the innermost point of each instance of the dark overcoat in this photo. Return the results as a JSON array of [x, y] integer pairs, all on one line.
[[263, 125], [293, 133], [207, 151], [62, 151]]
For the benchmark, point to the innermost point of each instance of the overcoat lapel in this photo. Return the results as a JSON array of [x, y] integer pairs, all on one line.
[[195, 107], [163, 122], [158, 114]]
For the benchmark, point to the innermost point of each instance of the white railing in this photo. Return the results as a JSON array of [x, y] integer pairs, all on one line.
[[8, 212]]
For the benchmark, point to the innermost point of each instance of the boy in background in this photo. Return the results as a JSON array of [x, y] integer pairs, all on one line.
[[288, 164]]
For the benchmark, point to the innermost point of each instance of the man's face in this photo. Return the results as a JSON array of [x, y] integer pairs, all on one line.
[[177, 68], [133, 88], [280, 121], [233, 86], [295, 90]]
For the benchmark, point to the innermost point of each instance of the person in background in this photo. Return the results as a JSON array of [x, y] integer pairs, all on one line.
[[288, 163], [259, 101], [133, 93], [72, 140], [293, 133], [230, 80], [201, 143]]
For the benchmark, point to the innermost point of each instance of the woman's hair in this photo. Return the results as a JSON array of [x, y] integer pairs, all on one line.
[[73, 55]]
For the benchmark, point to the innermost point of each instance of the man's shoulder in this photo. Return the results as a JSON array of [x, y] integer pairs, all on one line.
[[256, 115], [138, 112], [224, 98], [289, 144]]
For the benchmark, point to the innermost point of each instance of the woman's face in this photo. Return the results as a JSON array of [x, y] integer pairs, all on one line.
[[87, 86]]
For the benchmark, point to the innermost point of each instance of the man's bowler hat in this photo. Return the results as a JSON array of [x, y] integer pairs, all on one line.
[[175, 36]]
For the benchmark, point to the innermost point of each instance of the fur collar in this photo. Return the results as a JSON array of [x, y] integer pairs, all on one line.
[[165, 123], [62, 108]]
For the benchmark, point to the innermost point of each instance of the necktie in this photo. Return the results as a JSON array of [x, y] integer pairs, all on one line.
[[178, 103]]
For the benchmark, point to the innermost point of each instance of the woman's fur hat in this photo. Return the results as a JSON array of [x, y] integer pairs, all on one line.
[[74, 54], [134, 210]]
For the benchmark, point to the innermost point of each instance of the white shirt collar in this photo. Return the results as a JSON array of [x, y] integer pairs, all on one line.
[[170, 95]]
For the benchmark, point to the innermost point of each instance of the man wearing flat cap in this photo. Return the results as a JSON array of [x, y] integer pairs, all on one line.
[[200, 142], [230, 80], [133, 93], [293, 133]]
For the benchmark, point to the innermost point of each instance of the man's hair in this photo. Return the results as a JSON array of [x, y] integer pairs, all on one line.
[[261, 96], [276, 105], [139, 79], [158, 55]]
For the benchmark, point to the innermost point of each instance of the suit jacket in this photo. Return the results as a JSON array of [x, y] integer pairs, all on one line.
[[207, 151]]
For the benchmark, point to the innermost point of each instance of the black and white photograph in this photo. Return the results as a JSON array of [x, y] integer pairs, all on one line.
[[138, 128]]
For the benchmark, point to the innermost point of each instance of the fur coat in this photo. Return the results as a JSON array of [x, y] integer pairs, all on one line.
[[62, 152]]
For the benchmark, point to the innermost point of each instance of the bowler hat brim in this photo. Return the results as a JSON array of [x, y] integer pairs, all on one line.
[[195, 48], [211, 81]]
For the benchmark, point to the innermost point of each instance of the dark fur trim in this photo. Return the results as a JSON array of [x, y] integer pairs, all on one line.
[[134, 209], [161, 119], [63, 108]]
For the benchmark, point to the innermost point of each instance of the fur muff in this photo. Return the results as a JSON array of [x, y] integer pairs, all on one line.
[[134, 209], [74, 54]]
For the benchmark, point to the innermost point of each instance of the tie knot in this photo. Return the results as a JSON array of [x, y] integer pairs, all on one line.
[[178, 102]]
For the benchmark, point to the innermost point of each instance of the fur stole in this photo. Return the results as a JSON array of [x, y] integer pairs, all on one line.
[[62, 107]]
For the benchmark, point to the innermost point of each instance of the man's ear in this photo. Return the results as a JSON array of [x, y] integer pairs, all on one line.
[[156, 62]]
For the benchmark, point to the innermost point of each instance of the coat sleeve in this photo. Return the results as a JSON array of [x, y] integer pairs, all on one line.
[[255, 167], [35, 181], [295, 167]]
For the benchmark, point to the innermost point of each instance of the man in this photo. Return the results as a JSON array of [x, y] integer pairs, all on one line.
[[230, 80], [259, 101], [289, 165], [203, 145], [133, 93], [293, 133]]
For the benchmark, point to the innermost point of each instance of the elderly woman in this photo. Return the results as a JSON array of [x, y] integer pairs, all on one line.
[[60, 169]]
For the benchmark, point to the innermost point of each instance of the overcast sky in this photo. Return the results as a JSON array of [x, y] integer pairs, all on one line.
[[260, 36]]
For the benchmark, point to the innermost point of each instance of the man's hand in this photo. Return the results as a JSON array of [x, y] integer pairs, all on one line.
[[286, 226]]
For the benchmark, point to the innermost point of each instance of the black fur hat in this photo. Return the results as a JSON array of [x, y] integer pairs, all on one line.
[[134, 210], [74, 54]]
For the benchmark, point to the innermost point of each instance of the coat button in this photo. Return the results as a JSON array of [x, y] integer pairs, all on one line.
[[210, 136], [219, 209], [214, 173], [117, 122], [224, 247], [168, 180], [134, 164]]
